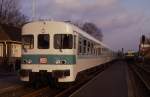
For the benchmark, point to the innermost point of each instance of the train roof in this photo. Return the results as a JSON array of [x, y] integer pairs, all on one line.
[[85, 34], [75, 28]]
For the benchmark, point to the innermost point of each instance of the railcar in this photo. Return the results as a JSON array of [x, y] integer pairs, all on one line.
[[60, 49]]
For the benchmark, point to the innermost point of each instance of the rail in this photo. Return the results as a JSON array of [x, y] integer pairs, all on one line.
[[143, 74], [48, 91]]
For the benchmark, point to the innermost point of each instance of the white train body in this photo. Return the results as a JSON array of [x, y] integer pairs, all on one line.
[[61, 49]]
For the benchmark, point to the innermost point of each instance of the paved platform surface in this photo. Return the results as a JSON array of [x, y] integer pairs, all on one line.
[[110, 83], [9, 82]]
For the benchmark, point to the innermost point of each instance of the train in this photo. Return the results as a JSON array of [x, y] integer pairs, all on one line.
[[61, 50], [10, 55]]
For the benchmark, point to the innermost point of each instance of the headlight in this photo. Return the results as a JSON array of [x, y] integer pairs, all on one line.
[[61, 62], [58, 62], [28, 61]]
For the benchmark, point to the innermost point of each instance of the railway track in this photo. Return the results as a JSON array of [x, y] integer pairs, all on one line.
[[65, 92], [25, 91], [60, 92], [142, 80], [43, 92], [10, 88], [21, 91], [15, 91]]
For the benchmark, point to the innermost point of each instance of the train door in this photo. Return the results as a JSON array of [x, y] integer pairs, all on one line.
[[75, 42]]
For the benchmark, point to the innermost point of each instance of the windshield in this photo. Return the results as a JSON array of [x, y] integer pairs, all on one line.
[[28, 41], [63, 41], [43, 41]]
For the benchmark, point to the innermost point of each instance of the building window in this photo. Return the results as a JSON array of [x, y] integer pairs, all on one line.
[[1, 49]]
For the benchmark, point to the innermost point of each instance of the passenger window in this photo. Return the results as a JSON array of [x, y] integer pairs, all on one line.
[[63, 41], [99, 51], [80, 46], [43, 41], [28, 41], [74, 41], [84, 47], [88, 47]]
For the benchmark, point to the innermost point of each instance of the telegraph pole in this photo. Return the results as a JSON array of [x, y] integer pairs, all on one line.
[[33, 10]]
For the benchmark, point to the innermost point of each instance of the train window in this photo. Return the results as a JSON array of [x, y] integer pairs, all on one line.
[[84, 42], [80, 46], [84, 47], [99, 51], [80, 49], [92, 48], [102, 49], [74, 42], [88, 47], [96, 52], [43, 41], [63, 41], [28, 41]]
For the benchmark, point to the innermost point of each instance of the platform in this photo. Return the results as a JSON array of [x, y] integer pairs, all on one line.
[[110, 83], [9, 82]]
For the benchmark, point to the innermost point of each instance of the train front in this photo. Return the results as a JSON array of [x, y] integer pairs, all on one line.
[[48, 48]]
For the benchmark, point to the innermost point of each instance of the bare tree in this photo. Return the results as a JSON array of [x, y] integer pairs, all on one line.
[[10, 13], [93, 30], [149, 39]]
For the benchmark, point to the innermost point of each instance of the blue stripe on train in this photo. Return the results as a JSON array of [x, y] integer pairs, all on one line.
[[70, 59]]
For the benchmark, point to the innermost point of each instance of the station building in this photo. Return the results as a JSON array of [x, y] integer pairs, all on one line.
[[10, 48]]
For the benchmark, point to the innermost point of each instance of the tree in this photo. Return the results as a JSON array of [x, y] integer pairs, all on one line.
[[149, 39], [10, 13], [93, 30]]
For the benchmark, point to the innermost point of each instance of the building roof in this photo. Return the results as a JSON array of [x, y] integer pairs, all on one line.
[[8, 32]]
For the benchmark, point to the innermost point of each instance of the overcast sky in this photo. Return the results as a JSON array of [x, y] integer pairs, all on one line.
[[122, 21]]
